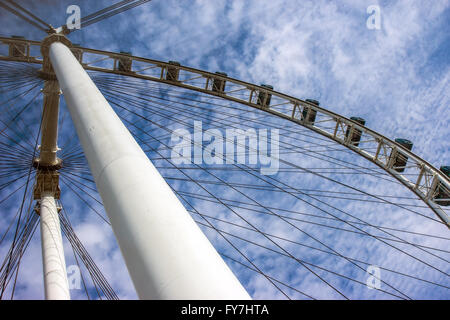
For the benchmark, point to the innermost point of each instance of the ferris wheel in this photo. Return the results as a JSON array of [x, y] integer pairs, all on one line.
[[214, 188]]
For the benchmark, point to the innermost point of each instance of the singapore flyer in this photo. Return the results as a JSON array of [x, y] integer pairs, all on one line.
[[224, 150]]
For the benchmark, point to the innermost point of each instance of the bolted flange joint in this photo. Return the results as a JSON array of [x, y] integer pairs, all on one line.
[[47, 167]]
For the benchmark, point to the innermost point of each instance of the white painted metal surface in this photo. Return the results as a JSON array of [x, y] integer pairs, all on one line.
[[167, 255], [55, 276]]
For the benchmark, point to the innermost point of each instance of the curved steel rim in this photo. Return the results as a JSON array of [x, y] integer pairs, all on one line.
[[425, 186]]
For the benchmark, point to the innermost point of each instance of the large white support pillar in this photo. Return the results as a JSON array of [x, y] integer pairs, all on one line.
[[55, 276], [166, 253]]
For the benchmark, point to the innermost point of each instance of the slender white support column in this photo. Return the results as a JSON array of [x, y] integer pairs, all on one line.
[[167, 255], [55, 276]]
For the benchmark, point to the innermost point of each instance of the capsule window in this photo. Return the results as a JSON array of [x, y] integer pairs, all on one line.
[[264, 98], [442, 191], [172, 71], [309, 114], [124, 63], [356, 133], [399, 162], [219, 84]]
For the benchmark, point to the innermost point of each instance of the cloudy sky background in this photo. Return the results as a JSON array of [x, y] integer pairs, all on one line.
[[397, 78]]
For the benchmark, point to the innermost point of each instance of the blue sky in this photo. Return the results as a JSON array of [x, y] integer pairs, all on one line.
[[397, 78]]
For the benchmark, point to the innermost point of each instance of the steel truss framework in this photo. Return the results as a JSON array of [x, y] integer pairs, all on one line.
[[429, 182]]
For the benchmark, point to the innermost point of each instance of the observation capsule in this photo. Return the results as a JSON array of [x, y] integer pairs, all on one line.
[[309, 114], [263, 97], [172, 71], [219, 84], [400, 160], [356, 133]]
